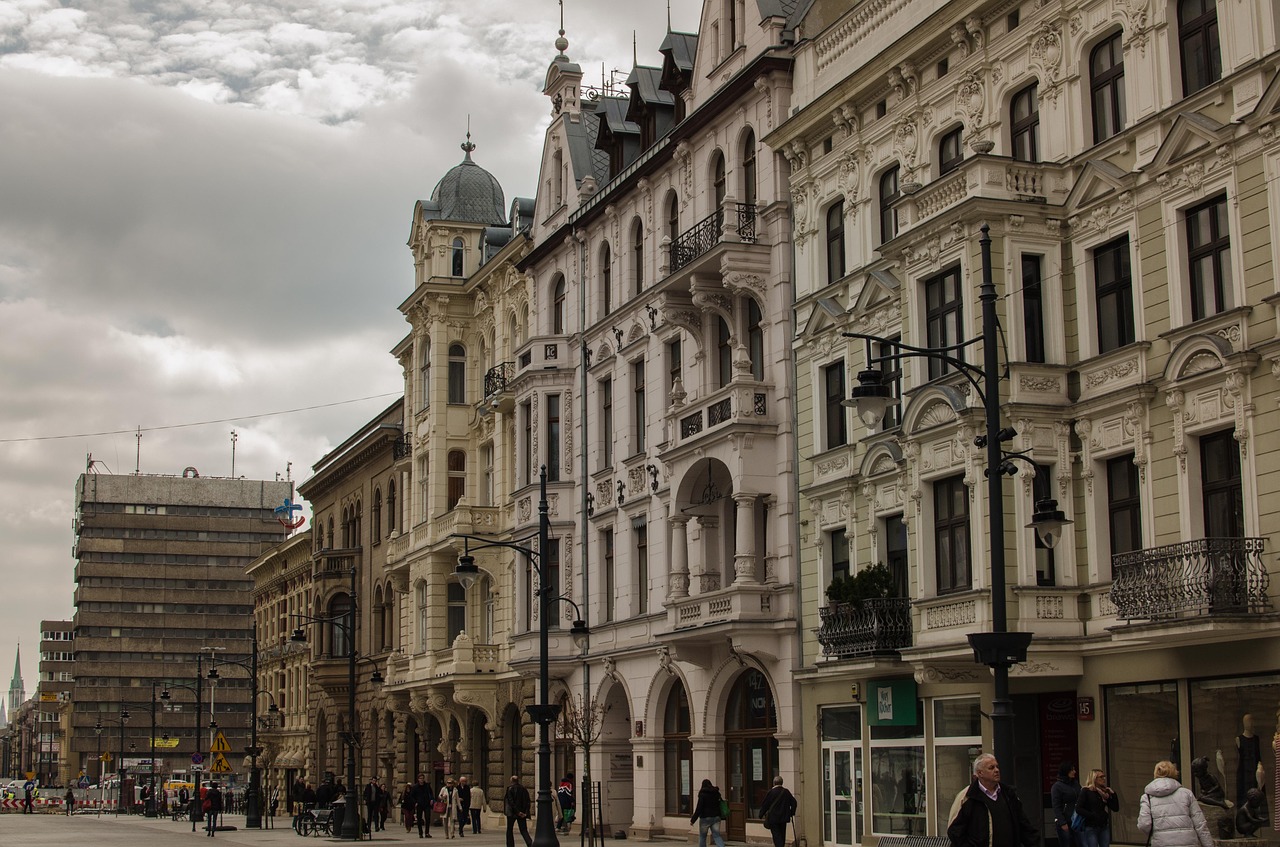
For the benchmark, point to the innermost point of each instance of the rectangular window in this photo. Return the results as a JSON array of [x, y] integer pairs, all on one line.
[[951, 534], [1042, 489], [1124, 504], [1033, 307], [639, 415], [1141, 726], [606, 423], [526, 443], [610, 577], [889, 193], [943, 317], [642, 566], [837, 428], [835, 241], [1209, 258], [950, 151], [1198, 44], [674, 364], [1222, 487], [1106, 88], [895, 553], [1114, 294], [553, 438], [551, 571], [486, 480], [957, 728], [838, 541], [891, 368], [1024, 124]]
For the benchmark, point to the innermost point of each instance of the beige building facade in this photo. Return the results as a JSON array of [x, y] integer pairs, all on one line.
[[1123, 155]]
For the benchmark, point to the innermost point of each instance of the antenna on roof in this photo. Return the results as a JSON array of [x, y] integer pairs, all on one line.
[[668, 15], [562, 17], [635, 57], [137, 462], [234, 439]]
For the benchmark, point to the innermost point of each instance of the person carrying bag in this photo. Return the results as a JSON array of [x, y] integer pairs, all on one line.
[[777, 809]]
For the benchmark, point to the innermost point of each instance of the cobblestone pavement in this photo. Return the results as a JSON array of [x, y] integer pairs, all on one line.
[[90, 830]]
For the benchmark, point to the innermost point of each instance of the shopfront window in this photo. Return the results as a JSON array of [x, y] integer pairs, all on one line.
[[678, 752], [1236, 717], [842, 776], [751, 745], [957, 733], [898, 778], [1141, 729]]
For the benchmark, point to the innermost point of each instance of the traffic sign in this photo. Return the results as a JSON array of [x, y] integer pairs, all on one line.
[[196, 758], [220, 744], [195, 768], [220, 764], [105, 757]]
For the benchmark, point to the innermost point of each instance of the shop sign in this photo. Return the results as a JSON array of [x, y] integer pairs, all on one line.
[[1084, 708], [891, 702]]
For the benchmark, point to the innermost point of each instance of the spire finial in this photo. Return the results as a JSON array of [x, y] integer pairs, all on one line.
[[467, 146], [668, 15], [635, 55], [562, 43]]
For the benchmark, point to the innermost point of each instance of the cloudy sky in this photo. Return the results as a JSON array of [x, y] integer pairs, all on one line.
[[203, 212]]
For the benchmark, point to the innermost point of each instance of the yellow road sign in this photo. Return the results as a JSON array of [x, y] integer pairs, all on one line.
[[220, 764], [106, 757], [220, 744], [165, 743]]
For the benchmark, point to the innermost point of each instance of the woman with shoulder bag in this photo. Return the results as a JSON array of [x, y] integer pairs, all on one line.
[[1169, 813], [1093, 810], [707, 814]]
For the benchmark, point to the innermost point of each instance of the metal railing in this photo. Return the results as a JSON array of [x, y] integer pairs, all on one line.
[[497, 377], [1213, 576], [847, 630], [402, 447], [708, 232]]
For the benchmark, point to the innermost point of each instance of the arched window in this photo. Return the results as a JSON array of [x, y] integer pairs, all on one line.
[[755, 339], [749, 168], [637, 255], [357, 525], [457, 477], [457, 373], [557, 307], [888, 196], [718, 179], [389, 637], [606, 279], [377, 516], [950, 151], [1106, 87], [724, 350], [835, 242], [340, 626], [673, 227], [329, 543], [420, 602], [346, 529], [391, 506], [1024, 124], [677, 751], [379, 619], [459, 248], [456, 614], [424, 376], [751, 726]]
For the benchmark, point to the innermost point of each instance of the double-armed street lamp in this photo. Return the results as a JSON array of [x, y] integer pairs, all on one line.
[[196, 812], [544, 713], [253, 804], [347, 623], [98, 728], [998, 649]]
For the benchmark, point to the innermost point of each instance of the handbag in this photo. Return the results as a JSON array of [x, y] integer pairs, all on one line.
[[438, 807], [724, 809], [1077, 822]]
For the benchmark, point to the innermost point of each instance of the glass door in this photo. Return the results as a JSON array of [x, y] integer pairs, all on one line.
[[842, 787]]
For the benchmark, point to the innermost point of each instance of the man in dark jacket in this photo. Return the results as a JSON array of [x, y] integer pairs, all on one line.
[[515, 805], [422, 798], [990, 813], [778, 808], [372, 800]]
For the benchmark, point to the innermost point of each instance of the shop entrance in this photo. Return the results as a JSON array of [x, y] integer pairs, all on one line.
[[751, 750], [842, 776]]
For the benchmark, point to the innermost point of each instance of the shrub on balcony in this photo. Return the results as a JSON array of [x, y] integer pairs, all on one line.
[[872, 583]]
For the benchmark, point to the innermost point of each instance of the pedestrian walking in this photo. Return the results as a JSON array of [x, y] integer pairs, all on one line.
[[449, 814], [1169, 813], [28, 798], [464, 805], [515, 805], [384, 806], [1096, 803], [422, 805], [406, 807], [568, 798], [1063, 796], [777, 809], [212, 808], [69, 801], [371, 799], [707, 814], [988, 813], [479, 803]]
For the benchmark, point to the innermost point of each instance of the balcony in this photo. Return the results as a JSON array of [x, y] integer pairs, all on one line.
[[988, 177], [741, 403], [710, 231], [497, 381], [869, 628], [1207, 576], [402, 447], [335, 564]]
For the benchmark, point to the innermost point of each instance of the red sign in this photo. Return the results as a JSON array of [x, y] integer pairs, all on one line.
[[1084, 708], [1057, 734]]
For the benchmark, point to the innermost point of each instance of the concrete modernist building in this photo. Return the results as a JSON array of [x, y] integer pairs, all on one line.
[[160, 577], [282, 588], [456, 698], [1124, 156], [348, 493], [655, 387], [56, 681]]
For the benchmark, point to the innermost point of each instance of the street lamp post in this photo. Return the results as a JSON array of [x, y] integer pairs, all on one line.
[[253, 804], [998, 649], [544, 712], [124, 718], [196, 811]]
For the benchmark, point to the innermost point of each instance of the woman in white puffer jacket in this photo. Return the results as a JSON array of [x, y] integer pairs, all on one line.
[[1169, 812]]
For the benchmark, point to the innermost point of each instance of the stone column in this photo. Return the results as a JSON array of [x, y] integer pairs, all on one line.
[[744, 550], [679, 586]]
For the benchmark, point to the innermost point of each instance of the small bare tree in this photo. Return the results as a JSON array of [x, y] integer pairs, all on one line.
[[581, 722]]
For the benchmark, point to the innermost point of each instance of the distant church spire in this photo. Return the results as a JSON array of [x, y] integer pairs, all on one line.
[[16, 692]]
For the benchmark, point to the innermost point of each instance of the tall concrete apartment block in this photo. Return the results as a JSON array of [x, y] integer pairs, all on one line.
[[160, 579], [57, 676]]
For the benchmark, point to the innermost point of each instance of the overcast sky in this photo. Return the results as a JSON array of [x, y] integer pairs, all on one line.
[[203, 212]]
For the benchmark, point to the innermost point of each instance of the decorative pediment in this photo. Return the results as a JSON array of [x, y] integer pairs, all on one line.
[[822, 317], [1191, 132], [1196, 355], [881, 459], [1268, 104], [1099, 179], [934, 407], [881, 287]]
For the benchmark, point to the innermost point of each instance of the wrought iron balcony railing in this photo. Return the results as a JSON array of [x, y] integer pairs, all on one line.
[[850, 630], [402, 447], [497, 377], [708, 232], [1215, 576]]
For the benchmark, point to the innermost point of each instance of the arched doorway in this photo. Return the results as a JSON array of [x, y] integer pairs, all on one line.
[[322, 746], [615, 762], [751, 749], [413, 749]]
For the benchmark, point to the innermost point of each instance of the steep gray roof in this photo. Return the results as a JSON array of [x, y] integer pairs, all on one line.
[[469, 193], [644, 81], [581, 141], [776, 8], [682, 46]]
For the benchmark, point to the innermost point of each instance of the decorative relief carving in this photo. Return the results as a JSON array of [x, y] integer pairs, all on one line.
[[833, 465], [1043, 384], [945, 674], [1118, 371], [1049, 607], [971, 99], [952, 614]]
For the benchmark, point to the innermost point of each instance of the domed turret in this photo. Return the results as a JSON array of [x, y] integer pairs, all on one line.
[[470, 193]]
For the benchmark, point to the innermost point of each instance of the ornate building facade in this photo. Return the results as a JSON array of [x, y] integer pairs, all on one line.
[[1123, 155]]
